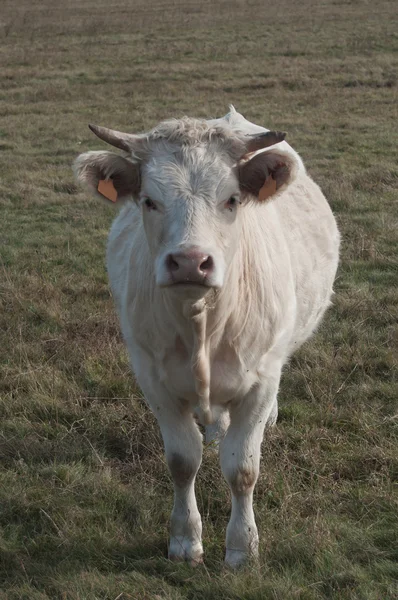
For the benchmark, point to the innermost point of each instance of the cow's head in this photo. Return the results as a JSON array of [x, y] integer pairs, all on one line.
[[191, 181]]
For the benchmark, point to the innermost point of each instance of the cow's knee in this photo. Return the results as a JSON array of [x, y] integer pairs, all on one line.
[[186, 524], [182, 468], [241, 480]]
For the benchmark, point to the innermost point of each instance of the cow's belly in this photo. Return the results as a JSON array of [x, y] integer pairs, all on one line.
[[228, 378]]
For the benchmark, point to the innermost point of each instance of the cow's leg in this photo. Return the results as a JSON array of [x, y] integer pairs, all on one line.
[[240, 462], [183, 446], [273, 417]]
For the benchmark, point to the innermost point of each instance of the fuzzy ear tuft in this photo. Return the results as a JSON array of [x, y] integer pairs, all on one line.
[[276, 165], [91, 168]]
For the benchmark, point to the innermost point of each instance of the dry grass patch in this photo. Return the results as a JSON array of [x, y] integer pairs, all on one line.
[[85, 494]]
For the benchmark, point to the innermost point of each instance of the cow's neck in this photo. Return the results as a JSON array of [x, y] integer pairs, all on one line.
[[188, 322], [225, 313], [196, 325]]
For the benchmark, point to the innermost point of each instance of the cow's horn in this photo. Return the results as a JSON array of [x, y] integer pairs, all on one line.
[[263, 140], [124, 141]]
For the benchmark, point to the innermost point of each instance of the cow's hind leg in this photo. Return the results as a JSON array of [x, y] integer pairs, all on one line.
[[183, 446], [217, 430], [240, 462]]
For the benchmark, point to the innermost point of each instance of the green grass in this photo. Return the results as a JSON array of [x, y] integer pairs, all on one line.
[[85, 495]]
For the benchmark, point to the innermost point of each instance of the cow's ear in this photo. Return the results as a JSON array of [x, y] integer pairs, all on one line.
[[267, 173], [108, 174]]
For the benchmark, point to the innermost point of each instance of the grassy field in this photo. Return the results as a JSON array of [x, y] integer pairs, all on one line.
[[85, 495]]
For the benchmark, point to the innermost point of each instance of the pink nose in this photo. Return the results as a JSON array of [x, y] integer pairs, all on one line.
[[189, 267]]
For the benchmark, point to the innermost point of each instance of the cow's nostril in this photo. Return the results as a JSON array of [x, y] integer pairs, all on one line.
[[171, 263], [206, 265]]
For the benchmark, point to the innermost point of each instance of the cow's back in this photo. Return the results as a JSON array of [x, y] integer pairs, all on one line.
[[310, 231], [313, 239]]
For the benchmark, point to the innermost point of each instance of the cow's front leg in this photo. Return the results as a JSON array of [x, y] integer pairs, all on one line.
[[183, 446], [240, 462]]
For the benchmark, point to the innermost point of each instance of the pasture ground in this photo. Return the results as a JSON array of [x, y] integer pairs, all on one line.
[[85, 494]]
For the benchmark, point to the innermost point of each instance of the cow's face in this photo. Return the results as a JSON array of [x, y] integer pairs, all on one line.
[[191, 195], [190, 202]]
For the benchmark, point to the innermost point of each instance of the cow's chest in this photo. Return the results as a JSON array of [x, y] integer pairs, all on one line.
[[229, 377]]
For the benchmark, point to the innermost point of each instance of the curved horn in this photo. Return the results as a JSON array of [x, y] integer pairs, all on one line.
[[124, 141], [263, 140]]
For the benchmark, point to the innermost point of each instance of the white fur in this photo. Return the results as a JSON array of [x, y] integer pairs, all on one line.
[[275, 264]]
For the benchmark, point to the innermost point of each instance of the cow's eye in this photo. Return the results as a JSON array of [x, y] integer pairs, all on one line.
[[149, 204], [232, 202]]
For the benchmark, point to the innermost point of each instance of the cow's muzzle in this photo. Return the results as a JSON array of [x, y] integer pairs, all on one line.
[[189, 267]]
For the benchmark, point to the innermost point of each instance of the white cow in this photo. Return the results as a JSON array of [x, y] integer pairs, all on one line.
[[221, 263]]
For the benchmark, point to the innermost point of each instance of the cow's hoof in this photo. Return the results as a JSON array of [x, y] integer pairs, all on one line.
[[183, 550], [235, 559]]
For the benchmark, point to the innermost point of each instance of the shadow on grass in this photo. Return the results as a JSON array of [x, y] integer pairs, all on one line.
[[47, 559]]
